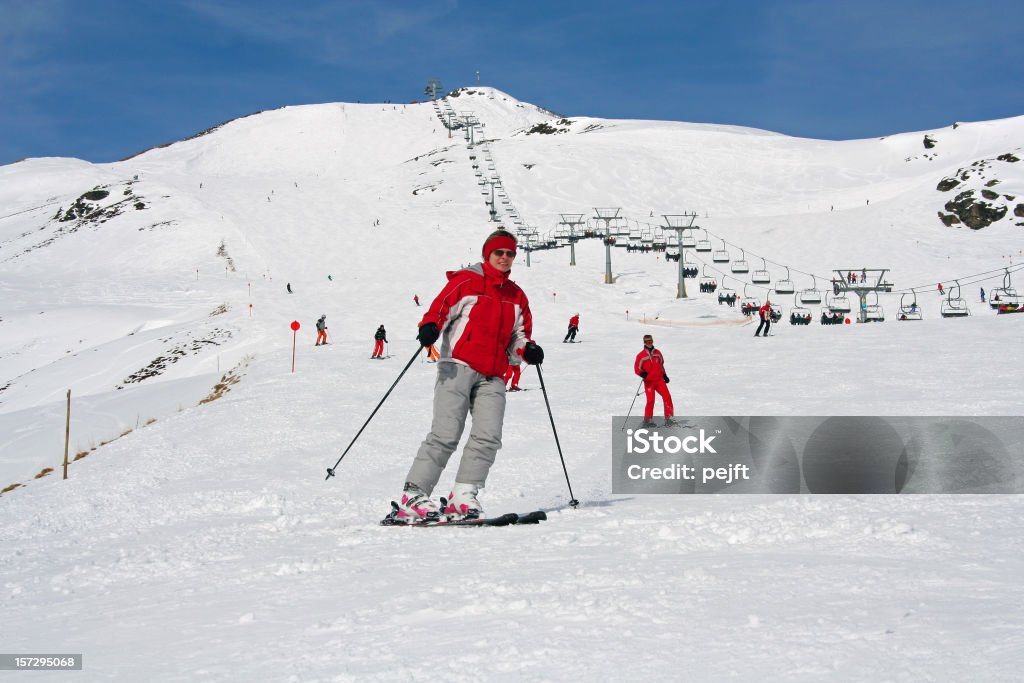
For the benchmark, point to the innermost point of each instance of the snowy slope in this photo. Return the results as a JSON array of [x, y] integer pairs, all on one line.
[[206, 545]]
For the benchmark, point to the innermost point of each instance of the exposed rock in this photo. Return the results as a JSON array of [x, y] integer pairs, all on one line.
[[1018, 211], [1008, 157], [975, 213], [929, 142], [546, 129], [992, 183], [948, 219], [989, 195], [947, 184]]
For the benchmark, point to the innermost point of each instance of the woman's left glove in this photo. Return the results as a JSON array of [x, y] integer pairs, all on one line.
[[533, 354]]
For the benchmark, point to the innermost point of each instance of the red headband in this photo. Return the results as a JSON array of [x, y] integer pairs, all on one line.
[[498, 243]]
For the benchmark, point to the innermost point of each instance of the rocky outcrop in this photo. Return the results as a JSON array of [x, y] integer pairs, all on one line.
[[973, 212]]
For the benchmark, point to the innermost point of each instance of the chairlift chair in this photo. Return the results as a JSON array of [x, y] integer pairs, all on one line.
[[706, 283], [749, 301], [1005, 295], [785, 286], [812, 295], [838, 303], [673, 241], [874, 312], [798, 311], [726, 293], [646, 237], [909, 311], [721, 255], [762, 276], [954, 307], [704, 244], [740, 266]]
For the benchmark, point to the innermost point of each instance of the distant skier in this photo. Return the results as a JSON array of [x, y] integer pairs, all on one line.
[[650, 365], [982, 294], [380, 338], [765, 313], [321, 331], [574, 326], [941, 290], [289, 287], [487, 325], [416, 298], [330, 278]]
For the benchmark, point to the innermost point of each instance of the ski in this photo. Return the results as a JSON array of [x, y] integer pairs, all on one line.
[[508, 519]]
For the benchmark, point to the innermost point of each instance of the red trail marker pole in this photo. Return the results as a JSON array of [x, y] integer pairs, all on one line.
[[295, 334]]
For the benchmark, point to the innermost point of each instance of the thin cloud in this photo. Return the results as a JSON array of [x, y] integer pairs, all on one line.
[[332, 33]]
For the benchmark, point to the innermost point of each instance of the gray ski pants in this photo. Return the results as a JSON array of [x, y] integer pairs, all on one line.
[[458, 391]]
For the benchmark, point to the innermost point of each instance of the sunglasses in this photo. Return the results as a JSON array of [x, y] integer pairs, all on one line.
[[504, 252]]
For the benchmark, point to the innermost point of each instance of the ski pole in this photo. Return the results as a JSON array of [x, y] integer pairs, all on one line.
[[572, 499], [626, 421], [330, 470]]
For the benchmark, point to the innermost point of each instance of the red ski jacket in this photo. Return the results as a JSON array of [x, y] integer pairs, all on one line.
[[574, 321], [652, 362], [765, 312], [484, 318]]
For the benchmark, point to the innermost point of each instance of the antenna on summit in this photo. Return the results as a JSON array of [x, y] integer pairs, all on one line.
[[478, 78]]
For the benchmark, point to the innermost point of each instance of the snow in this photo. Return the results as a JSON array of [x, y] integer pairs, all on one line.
[[206, 545]]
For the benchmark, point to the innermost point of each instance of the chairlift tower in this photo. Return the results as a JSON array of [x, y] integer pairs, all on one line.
[[680, 222], [607, 215], [433, 85], [470, 120], [573, 220], [868, 280]]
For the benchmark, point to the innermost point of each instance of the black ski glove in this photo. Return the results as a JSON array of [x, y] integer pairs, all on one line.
[[428, 334], [643, 375], [666, 379], [533, 354]]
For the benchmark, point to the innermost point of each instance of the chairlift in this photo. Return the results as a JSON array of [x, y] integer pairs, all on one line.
[[954, 307], [838, 303], [1005, 295], [704, 244], [741, 266], [812, 295], [673, 241], [646, 237], [799, 315], [874, 312], [762, 276], [909, 311], [726, 295], [749, 304], [721, 255], [706, 283], [785, 286]]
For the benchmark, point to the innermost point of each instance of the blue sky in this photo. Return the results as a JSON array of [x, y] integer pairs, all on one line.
[[104, 79]]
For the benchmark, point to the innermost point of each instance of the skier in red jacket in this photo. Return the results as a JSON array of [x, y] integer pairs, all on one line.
[[574, 327], [650, 365], [765, 313], [484, 322]]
